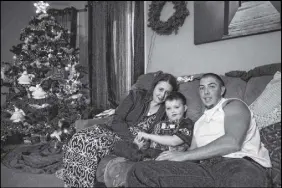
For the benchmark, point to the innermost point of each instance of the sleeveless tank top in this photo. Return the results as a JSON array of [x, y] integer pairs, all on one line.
[[210, 126]]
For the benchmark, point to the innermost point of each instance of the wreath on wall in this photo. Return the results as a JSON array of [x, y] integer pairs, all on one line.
[[173, 23]]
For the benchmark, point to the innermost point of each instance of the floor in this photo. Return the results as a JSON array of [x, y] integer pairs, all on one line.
[[13, 178], [16, 178]]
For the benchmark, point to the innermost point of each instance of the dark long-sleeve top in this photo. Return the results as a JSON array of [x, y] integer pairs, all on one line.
[[131, 110]]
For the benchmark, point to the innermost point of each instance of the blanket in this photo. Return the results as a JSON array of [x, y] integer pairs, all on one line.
[[264, 70], [41, 158]]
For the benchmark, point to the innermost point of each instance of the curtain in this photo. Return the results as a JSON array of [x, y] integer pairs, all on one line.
[[68, 19], [117, 50]]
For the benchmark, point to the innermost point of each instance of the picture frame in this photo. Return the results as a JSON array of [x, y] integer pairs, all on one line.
[[222, 20]]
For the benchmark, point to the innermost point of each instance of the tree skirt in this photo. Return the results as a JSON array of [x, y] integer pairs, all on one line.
[[41, 158]]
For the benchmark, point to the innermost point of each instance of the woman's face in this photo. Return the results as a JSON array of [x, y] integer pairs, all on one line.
[[161, 91]]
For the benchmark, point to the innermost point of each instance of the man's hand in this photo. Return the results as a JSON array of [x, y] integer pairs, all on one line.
[[171, 156]]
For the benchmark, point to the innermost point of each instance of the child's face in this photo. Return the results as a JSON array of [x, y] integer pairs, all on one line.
[[175, 109]]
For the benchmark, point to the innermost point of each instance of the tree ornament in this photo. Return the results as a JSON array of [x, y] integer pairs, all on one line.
[[38, 92], [26, 40], [67, 68], [25, 78], [18, 115], [41, 7]]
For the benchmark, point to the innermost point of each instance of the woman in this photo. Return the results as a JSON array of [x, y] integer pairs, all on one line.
[[139, 111]]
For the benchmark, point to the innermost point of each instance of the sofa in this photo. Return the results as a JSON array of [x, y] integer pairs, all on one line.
[[260, 88]]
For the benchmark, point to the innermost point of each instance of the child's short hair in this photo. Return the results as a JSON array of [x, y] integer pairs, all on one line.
[[175, 95]]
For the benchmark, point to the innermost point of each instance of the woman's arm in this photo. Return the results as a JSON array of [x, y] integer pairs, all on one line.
[[119, 124]]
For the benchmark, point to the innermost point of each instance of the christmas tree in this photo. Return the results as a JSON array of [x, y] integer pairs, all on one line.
[[45, 91]]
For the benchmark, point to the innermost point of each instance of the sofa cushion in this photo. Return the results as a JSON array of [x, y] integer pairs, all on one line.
[[274, 116], [267, 107], [194, 104], [235, 87], [145, 80], [271, 138], [255, 87], [270, 97]]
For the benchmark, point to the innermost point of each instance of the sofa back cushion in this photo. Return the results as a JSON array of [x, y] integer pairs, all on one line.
[[255, 87], [235, 87], [190, 91], [145, 81]]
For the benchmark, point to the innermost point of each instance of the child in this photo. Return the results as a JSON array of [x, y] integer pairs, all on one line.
[[172, 134]]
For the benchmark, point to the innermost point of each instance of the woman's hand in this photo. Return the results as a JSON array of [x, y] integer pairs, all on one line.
[[139, 142], [172, 156]]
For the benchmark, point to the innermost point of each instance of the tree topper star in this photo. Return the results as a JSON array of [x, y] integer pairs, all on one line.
[[41, 7]]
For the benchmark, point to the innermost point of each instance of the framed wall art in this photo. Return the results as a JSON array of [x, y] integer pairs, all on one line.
[[221, 20]]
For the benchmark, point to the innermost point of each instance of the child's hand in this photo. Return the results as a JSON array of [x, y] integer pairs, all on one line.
[[142, 136]]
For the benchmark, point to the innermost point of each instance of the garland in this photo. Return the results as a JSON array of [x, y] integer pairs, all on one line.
[[173, 23]]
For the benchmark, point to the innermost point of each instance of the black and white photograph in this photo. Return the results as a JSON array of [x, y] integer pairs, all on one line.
[[122, 94]]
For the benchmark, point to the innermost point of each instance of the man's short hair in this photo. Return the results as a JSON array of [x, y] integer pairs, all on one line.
[[217, 77], [175, 95]]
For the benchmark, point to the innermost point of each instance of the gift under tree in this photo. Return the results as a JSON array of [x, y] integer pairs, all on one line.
[[43, 80]]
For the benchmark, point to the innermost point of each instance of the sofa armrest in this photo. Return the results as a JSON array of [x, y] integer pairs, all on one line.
[[91, 122]]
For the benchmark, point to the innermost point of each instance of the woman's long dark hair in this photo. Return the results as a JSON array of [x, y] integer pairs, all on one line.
[[166, 78]]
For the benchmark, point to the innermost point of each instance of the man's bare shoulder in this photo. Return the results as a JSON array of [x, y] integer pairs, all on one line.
[[235, 107]]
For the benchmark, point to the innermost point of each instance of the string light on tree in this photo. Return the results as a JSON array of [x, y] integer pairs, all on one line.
[[41, 7]]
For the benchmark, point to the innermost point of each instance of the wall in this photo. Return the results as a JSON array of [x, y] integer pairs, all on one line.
[[178, 55], [15, 15]]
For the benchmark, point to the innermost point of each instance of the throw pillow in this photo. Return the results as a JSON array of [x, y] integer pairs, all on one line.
[[266, 106], [271, 138], [269, 118], [145, 80]]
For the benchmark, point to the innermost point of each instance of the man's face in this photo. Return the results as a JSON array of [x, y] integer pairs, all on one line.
[[210, 91], [175, 109]]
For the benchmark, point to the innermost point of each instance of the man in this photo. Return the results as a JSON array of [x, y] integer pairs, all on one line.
[[226, 150]]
